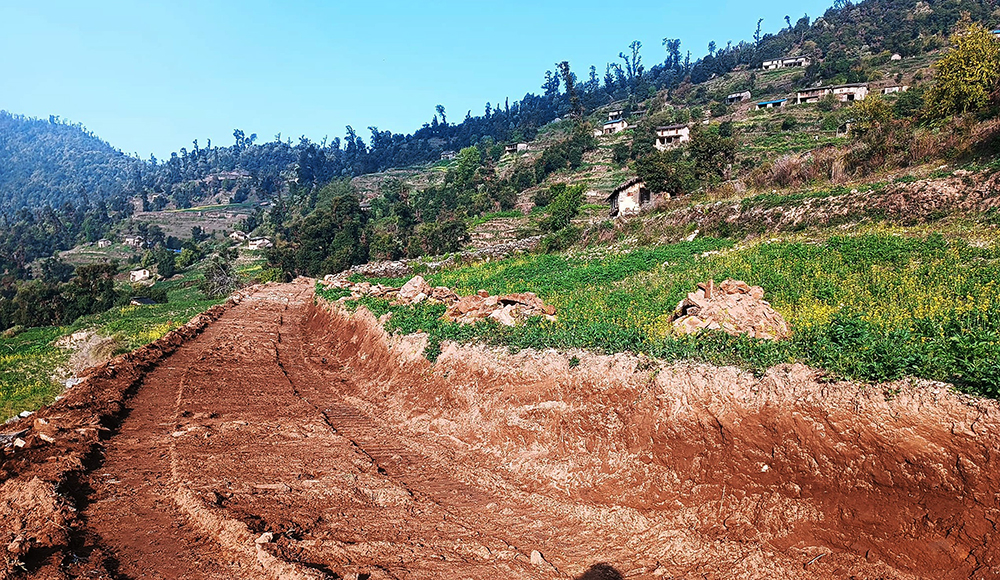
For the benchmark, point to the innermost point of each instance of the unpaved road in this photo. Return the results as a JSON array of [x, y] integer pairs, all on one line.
[[282, 442]]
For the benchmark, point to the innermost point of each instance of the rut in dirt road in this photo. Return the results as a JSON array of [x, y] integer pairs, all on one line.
[[288, 440]]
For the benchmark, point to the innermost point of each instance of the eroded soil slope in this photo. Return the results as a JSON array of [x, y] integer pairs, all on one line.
[[286, 440]]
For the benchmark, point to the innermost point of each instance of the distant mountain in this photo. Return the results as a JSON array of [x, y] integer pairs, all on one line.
[[49, 162]]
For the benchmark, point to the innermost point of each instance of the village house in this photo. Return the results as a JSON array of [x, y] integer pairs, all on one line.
[[738, 97], [135, 241], [138, 275], [616, 114], [448, 155], [844, 93], [786, 62], [895, 89], [615, 126], [239, 236], [630, 197], [259, 244], [672, 136], [103, 243], [772, 104], [896, 57]]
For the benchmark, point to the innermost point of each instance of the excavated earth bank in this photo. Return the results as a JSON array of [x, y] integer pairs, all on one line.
[[274, 437]]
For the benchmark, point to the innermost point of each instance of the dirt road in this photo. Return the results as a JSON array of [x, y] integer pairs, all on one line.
[[283, 441]]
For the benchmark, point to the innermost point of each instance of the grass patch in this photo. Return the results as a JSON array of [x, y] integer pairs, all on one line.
[[872, 307], [27, 362]]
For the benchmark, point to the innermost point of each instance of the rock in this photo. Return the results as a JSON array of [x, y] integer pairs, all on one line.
[[734, 307], [25, 414], [19, 443], [504, 316], [415, 287], [483, 294], [265, 538]]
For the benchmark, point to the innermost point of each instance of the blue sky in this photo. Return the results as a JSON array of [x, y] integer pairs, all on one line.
[[149, 77]]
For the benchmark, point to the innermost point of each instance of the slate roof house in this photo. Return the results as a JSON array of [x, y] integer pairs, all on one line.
[[672, 136], [630, 197]]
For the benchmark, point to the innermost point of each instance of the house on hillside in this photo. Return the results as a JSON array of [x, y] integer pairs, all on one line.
[[844, 93], [788, 62], [630, 197], [616, 114], [103, 243], [448, 155], [135, 241], [672, 136], [895, 89], [771, 104], [738, 98], [138, 275], [615, 126], [896, 57], [259, 244], [239, 236]]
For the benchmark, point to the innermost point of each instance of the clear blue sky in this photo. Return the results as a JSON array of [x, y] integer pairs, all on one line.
[[149, 77]]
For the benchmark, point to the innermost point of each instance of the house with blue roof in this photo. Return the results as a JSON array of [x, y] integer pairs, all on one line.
[[772, 104]]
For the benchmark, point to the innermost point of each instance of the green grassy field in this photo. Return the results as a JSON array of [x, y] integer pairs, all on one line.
[[880, 305], [30, 359]]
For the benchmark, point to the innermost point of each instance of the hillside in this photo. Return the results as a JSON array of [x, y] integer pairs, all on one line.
[[47, 162]]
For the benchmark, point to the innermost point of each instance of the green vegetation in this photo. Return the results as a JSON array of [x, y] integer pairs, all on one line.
[[877, 306], [26, 364]]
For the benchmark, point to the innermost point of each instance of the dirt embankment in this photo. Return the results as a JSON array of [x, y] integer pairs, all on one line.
[[905, 203], [711, 472], [276, 438]]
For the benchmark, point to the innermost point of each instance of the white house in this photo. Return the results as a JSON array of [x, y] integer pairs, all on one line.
[[616, 126], [138, 275], [616, 114], [135, 241], [259, 244], [239, 236], [630, 197], [103, 243], [772, 104], [844, 93], [448, 155], [896, 57], [895, 89], [786, 62], [738, 97], [672, 136]]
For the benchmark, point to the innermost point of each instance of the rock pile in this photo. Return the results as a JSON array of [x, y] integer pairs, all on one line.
[[508, 309], [734, 307]]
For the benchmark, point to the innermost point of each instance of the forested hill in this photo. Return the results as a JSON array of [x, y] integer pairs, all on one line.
[[49, 162]]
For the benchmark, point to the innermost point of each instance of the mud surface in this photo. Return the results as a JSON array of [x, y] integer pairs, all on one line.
[[273, 438]]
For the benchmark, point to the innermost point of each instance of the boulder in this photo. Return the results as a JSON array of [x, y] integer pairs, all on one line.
[[734, 307], [412, 289]]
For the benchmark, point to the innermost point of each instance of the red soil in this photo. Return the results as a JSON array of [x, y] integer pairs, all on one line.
[[284, 440]]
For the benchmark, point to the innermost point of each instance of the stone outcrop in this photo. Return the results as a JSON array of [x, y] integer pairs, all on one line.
[[509, 309], [733, 307]]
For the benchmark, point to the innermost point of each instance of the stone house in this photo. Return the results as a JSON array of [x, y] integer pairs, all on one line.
[[616, 114], [844, 93], [630, 197], [138, 275], [615, 126], [448, 155], [672, 136], [772, 104], [895, 89], [239, 236], [103, 243], [135, 241], [259, 244], [788, 62], [738, 97]]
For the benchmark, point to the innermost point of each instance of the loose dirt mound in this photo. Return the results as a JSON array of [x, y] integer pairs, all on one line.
[[284, 440]]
